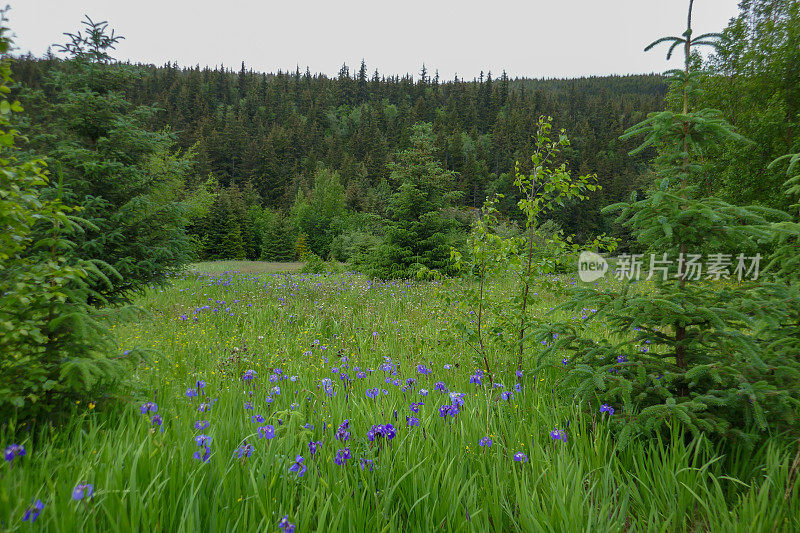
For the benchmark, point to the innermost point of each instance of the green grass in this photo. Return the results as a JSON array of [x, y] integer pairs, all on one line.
[[434, 476], [216, 267]]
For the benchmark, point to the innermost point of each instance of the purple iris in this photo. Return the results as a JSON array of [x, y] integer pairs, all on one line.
[[485, 441], [298, 466], [557, 434], [249, 376], [191, 393], [387, 431], [373, 393], [520, 457], [313, 446], [82, 491], [201, 424], [203, 456], [448, 410], [32, 513], [202, 440], [367, 463], [14, 450], [157, 421], [266, 431], [415, 406], [506, 395], [245, 450], [248, 406], [149, 407], [342, 456], [605, 408], [342, 433], [476, 379], [285, 526], [412, 421], [424, 370], [257, 419], [440, 386]]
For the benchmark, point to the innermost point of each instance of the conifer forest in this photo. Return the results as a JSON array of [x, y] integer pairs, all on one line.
[[237, 300]]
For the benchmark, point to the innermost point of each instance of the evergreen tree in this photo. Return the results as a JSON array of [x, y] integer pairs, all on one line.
[[57, 349], [278, 243], [128, 181], [694, 351], [417, 229]]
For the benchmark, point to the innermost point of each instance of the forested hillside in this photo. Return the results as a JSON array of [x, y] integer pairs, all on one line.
[[266, 135]]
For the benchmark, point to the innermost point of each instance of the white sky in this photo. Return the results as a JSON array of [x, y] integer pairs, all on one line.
[[531, 38]]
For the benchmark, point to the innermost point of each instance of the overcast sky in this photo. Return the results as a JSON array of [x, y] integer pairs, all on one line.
[[533, 38]]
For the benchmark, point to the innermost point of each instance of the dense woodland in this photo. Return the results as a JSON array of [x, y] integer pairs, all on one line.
[[265, 137]]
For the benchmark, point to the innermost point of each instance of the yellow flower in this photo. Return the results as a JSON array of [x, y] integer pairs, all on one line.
[[91, 405]]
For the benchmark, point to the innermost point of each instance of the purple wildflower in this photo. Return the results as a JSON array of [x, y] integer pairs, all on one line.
[[32, 513], [82, 491], [298, 466]]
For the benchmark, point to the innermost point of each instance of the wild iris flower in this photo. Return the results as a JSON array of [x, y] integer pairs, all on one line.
[[313, 446], [201, 424], [342, 456], [457, 398], [520, 457], [266, 431], [412, 421], [157, 421], [82, 491], [203, 456], [32, 513], [557, 434], [367, 463], [245, 450], [485, 441], [249, 376], [191, 393], [14, 450], [202, 440], [506, 395], [257, 419], [149, 407], [285, 526], [342, 433], [605, 408], [415, 406], [378, 430], [298, 466], [440, 386]]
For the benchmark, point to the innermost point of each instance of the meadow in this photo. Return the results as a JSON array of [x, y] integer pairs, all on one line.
[[344, 404]]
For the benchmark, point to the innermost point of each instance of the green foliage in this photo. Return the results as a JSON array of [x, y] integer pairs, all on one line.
[[753, 79], [314, 214], [56, 348], [418, 230], [711, 356], [278, 241], [130, 183]]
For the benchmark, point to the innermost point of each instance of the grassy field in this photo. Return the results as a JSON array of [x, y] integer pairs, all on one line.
[[289, 359]]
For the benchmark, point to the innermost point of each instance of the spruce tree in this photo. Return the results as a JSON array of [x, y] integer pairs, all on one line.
[[417, 230], [708, 353], [56, 348]]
